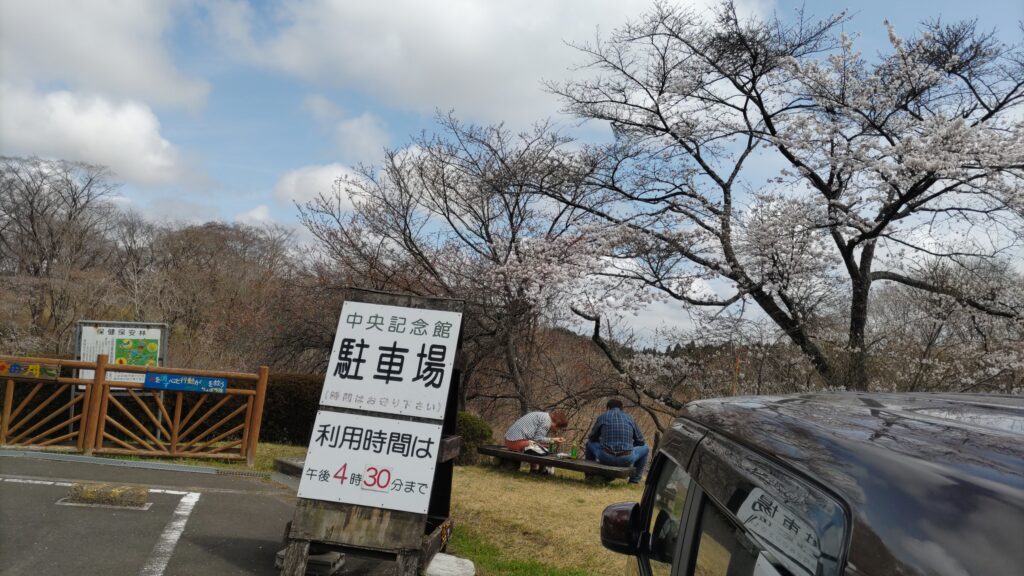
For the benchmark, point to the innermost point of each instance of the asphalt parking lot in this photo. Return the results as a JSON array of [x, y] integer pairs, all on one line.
[[197, 523]]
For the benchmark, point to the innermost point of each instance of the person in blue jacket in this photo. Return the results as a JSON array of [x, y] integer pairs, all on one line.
[[616, 440]]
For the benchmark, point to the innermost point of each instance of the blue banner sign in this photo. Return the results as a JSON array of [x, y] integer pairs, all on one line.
[[182, 383]]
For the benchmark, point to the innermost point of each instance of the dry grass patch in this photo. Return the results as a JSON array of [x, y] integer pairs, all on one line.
[[108, 494], [552, 521]]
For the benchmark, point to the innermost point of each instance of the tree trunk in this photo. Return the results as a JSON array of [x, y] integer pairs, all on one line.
[[466, 378], [856, 370], [860, 278], [795, 331], [521, 386], [462, 396]]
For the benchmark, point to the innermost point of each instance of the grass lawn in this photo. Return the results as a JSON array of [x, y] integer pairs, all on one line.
[[508, 524], [517, 524]]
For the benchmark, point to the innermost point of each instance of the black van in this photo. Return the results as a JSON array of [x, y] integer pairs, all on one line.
[[829, 484]]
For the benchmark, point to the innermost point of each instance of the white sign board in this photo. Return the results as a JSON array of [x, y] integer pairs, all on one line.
[[123, 344], [392, 359], [371, 461], [793, 541]]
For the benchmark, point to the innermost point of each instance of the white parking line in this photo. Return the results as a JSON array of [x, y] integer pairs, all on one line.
[[161, 554], [53, 483], [40, 482]]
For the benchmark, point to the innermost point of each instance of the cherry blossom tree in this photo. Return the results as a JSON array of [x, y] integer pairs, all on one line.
[[775, 162], [466, 214], [933, 343]]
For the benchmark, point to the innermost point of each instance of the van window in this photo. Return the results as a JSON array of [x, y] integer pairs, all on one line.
[[719, 553], [799, 527], [724, 549], [666, 514], [782, 531]]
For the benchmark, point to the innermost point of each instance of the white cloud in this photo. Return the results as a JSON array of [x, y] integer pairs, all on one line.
[[121, 201], [124, 136], [361, 139], [108, 47], [656, 324], [658, 319], [304, 184], [258, 215], [483, 59], [321, 108], [179, 210], [229, 23]]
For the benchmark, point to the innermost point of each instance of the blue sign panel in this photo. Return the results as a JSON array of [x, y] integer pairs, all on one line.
[[182, 383]]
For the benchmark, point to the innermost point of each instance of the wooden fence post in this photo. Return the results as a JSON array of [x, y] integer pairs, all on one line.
[[257, 416], [91, 424], [83, 416], [176, 425], [8, 403]]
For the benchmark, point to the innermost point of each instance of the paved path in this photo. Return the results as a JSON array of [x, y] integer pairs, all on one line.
[[197, 524]]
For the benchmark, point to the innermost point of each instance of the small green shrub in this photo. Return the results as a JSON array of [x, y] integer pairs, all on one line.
[[475, 432]]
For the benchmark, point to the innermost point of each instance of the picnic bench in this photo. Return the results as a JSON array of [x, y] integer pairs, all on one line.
[[592, 471]]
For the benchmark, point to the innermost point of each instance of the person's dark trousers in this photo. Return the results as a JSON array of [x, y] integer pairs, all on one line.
[[637, 459]]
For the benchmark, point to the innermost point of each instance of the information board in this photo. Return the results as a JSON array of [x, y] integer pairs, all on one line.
[[371, 461], [124, 343], [392, 359]]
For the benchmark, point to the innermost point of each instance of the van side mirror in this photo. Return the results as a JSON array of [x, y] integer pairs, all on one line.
[[620, 528]]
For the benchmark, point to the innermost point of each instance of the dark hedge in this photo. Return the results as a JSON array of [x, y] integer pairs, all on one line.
[[290, 409]]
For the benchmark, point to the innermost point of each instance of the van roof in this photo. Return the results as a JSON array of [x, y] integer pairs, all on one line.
[[934, 481]]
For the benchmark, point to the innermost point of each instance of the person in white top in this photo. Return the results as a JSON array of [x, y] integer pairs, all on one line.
[[536, 427]]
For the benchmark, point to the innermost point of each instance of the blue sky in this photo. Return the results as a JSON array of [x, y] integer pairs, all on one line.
[[231, 110]]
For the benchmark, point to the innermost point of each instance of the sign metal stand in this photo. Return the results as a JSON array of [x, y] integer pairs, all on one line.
[[368, 523]]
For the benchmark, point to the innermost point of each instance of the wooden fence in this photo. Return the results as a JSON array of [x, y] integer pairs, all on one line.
[[43, 407]]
